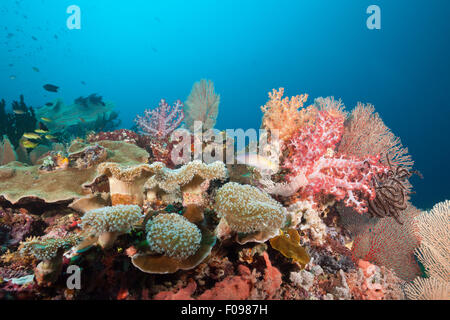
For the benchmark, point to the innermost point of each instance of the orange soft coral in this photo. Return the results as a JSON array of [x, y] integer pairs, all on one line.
[[283, 115]]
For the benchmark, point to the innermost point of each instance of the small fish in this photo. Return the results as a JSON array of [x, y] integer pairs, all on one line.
[[34, 38], [50, 137], [62, 162], [12, 77], [257, 161], [49, 104], [19, 109], [55, 36], [83, 83], [51, 88], [46, 119], [82, 120], [33, 136], [35, 69], [40, 131], [10, 35], [11, 65], [29, 145], [349, 245]]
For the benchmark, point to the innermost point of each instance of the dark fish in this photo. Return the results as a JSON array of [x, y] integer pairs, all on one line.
[[55, 36], [34, 38], [83, 83], [35, 69], [49, 104], [10, 35], [51, 88], [11, 65]]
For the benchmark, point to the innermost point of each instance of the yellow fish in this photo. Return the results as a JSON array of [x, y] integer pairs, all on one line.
[[46, 119], [29, 145], [31, 136], [40, 131], [50, 137], [257, 161]]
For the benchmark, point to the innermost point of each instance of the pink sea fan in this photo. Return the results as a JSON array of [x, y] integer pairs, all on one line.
[[366, 134], [162, 121], [387, 243]]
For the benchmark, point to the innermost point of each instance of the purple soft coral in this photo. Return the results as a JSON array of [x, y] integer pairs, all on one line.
[[162, 121]]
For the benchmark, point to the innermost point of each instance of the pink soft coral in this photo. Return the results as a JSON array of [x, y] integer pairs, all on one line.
[[162, 121], [311, 153]]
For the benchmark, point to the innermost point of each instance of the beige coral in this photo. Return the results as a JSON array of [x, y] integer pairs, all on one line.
[[202, 105], [191, 180], [285, 116], [110, 222], [247, 209], [434, 254], [126, 183]]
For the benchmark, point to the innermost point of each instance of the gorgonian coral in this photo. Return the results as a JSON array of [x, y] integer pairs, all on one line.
[[202, 105], [285, 116], [388, 243], [434, 255], [366, 134]]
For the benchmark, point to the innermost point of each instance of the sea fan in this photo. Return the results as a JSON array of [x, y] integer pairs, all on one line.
[[202, 105]]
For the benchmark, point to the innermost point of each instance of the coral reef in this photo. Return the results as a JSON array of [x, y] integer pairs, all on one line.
[[325, 214]]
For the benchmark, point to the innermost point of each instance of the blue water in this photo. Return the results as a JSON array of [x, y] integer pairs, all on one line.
[[136, 52]]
